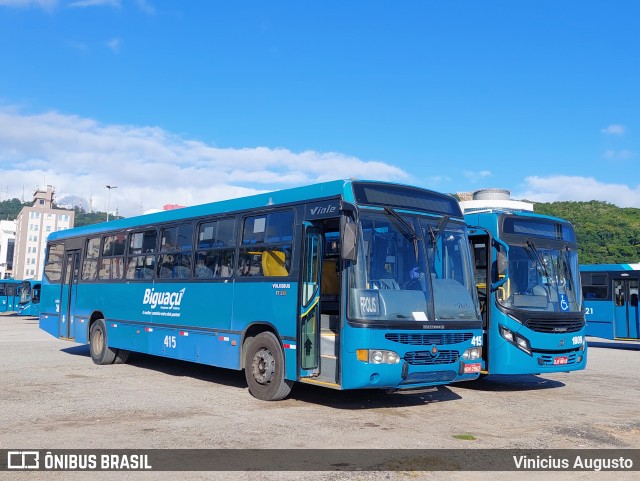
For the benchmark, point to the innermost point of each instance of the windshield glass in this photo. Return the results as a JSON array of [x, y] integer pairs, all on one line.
[[542, 277], [411, 268]]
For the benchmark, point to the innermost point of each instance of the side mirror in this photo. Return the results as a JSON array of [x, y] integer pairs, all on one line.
[[502, 264], [348, 240]]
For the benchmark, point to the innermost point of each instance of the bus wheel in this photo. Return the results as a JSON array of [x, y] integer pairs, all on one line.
[[264, 368], [122, 356], [100, 351]]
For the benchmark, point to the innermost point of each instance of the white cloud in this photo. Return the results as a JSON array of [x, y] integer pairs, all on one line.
[[44, 4], [476, 176], [152, 167], [146, 7], [563, 188], [114, 44], [614, 129], [96, 3], [618, 154]]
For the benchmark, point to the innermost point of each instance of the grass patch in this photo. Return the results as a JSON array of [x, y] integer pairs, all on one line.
[[465, 437]]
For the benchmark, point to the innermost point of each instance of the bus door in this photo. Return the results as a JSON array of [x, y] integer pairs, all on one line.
[[71, 270], [3, 297], [625, 310], [309, 304]]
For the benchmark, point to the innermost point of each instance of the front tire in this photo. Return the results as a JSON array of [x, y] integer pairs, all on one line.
[[100, 352], [264, 368]]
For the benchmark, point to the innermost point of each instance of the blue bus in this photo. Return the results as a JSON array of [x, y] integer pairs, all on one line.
[[527, 274], [29, 303], [9, 294], [344, 284], [610, 294]]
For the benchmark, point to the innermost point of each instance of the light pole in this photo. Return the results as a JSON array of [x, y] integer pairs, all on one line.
[[109, 197]]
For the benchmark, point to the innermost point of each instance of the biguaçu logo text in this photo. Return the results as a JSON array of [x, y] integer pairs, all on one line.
[[166, 300]]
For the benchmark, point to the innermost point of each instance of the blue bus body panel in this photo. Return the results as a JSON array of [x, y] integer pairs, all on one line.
[[547, 349], [607, 319], [414, 347]]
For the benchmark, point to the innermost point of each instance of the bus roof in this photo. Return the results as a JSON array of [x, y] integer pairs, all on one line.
[[279, 197], [609, 267], [520, 213]]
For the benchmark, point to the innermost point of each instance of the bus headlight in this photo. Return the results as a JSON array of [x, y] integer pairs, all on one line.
[[520, 342], [472, 353], [377, 356]]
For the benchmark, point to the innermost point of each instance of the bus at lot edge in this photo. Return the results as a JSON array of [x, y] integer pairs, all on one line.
[[9, 294], [345, 284], [527, 275], [29, 303], [610, 294]]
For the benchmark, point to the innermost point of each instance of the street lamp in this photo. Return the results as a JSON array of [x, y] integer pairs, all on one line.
[[109, 198]]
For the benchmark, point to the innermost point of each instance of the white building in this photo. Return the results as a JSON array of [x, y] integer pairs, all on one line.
[[7, 247], [34, 224], [490, 199]]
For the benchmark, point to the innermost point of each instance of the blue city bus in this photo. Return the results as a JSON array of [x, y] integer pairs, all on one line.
[[9, 294], [527, 275], [610, 294], [345, 284], [29, 304]]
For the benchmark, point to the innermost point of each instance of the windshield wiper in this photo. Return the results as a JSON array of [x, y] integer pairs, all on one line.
[[538, 258], [408, 230]]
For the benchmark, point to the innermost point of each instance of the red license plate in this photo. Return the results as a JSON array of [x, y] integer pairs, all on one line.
[[560, 360], [471, 368]]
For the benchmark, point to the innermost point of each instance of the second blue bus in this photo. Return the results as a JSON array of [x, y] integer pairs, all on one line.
[[528, 280]]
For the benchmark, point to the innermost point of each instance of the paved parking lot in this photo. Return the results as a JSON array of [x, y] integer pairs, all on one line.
[[54, 397]]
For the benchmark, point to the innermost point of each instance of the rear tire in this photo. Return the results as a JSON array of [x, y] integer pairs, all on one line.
[[122, 356], [264, 368], [100, 352]]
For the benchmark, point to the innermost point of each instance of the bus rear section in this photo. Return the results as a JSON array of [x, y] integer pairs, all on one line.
[[610, 294], [526, 271]]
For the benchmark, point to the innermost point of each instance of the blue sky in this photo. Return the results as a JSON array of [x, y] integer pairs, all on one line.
[[188, 102]]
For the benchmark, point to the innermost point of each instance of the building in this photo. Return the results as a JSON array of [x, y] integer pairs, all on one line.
[[33, 226], [489, 199], [7, 247]]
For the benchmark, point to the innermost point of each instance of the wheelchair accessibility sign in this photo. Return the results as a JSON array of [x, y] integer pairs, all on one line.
[[564, 303]]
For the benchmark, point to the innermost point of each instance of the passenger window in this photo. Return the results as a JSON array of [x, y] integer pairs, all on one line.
[[90, 264], [175, 258], [216, 249], [266, 241]]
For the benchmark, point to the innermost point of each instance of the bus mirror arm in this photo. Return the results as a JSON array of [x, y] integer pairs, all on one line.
[[501, 261]]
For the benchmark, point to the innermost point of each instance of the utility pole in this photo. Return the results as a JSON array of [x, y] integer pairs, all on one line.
[[109, 198]]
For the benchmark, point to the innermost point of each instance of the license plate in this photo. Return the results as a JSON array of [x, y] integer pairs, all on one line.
[[560, 360], [471, 368]]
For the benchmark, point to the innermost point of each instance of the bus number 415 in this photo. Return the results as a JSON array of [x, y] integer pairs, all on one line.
[[170, 342]]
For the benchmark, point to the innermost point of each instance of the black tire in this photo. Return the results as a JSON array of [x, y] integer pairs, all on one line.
[[122, 356], [99, 347], [264, 368]]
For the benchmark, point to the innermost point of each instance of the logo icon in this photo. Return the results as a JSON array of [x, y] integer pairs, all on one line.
[[23, 460]]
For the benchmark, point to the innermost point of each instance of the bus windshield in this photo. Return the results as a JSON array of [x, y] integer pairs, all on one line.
[[542, 277], [412, 268]]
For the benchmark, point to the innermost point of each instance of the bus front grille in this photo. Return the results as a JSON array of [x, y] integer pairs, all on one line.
[[556, 326], [429, 339], [424, 358]]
